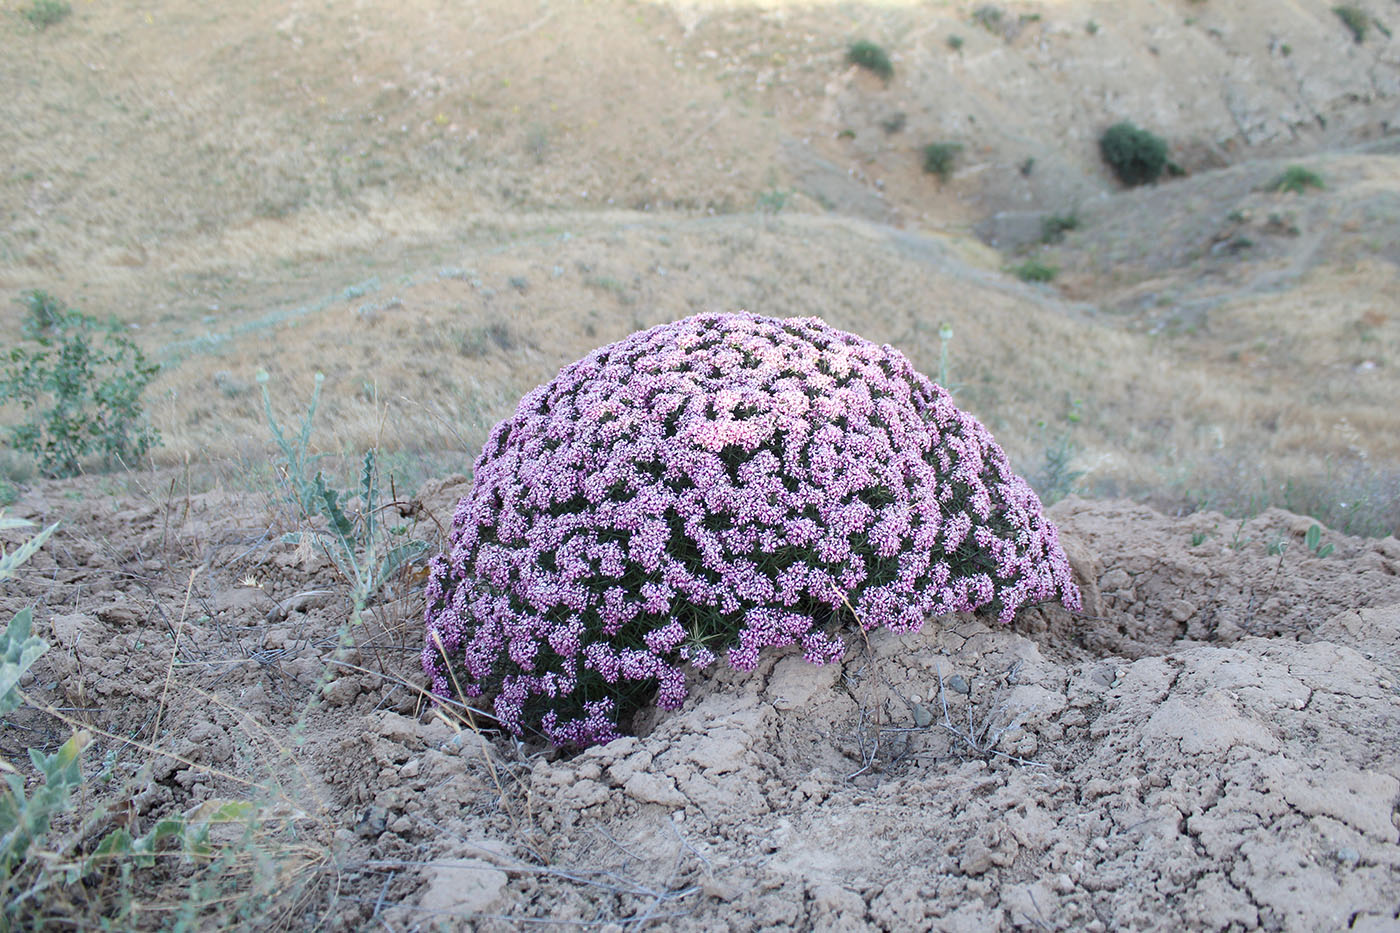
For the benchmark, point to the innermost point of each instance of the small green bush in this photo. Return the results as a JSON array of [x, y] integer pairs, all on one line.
[[1296, 179], [990, 17], [81, 388], [939, 157], [1054, 227], [871, 57], [1355, 18], [955, 43], [1033, 270], [1136, 156], [45, 13]]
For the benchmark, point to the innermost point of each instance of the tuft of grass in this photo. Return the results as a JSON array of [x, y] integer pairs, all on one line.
[[1054, 227], [1033, 270], [45, 13], [939, 158], [871, 57], [1296, 179], [955, 43], [1355, 19]]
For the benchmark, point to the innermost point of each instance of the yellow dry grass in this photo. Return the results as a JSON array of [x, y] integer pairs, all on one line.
[[439, 207]]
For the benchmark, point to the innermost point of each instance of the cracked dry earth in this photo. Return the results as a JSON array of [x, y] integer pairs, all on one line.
[[1211, 745]]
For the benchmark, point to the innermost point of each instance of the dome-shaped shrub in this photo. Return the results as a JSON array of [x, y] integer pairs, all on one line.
[[1136, 156], [712, 487]]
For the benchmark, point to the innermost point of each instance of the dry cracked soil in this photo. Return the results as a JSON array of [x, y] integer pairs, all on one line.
[[1210, 744]]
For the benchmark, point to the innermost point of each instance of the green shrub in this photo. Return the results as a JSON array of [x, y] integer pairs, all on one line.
[[1136, 156], [1054, 227], [45, 13], [955, 43], [939, 157], [1355, 18], [80, 387], [1296, 179], [989, 16], [1033, 270], [871, 57]]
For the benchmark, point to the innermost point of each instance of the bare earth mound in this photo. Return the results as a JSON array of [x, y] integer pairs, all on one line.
[[1211, 745]]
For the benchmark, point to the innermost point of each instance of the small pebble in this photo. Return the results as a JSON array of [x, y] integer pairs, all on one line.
[[958, 684]]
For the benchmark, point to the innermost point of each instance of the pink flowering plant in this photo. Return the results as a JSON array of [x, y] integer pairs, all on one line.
[[709, 488]]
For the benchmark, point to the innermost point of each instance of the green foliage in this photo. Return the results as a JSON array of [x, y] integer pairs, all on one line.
[[939, 157], [871, 57], [1033, 270], [1054, 227], [773, 200], [1296, 179], [45, 13], [360, 545], [1056, 480], [955, 43], [989, 16], [1355, 19], [945, 337], [81, 386], [1313, 541], [1136, 156]]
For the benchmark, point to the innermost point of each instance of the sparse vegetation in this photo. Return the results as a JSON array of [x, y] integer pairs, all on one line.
[[939, 158], [1033, 270], [989, 17], [1054, 227], [871, 57], [80, 387], [366, 549], [1136, 156], [45, 13], [1355, 19], [955, 43], [1296, 179]]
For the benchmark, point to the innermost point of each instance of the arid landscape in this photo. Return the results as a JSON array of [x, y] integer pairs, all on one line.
[[438, 205]]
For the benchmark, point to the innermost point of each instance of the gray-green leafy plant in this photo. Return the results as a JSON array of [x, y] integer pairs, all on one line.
[[354, 538], [80, 383], [1313, 541]]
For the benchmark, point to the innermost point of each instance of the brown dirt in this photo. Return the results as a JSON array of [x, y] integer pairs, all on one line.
[[1210, 745]]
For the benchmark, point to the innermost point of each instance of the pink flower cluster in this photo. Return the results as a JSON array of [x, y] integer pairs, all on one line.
[[710, 488]]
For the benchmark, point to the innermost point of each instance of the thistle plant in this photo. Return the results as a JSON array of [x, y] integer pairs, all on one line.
[[707, 489]]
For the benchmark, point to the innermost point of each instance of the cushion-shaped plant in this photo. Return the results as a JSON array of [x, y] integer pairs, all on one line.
[[709, 488]]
